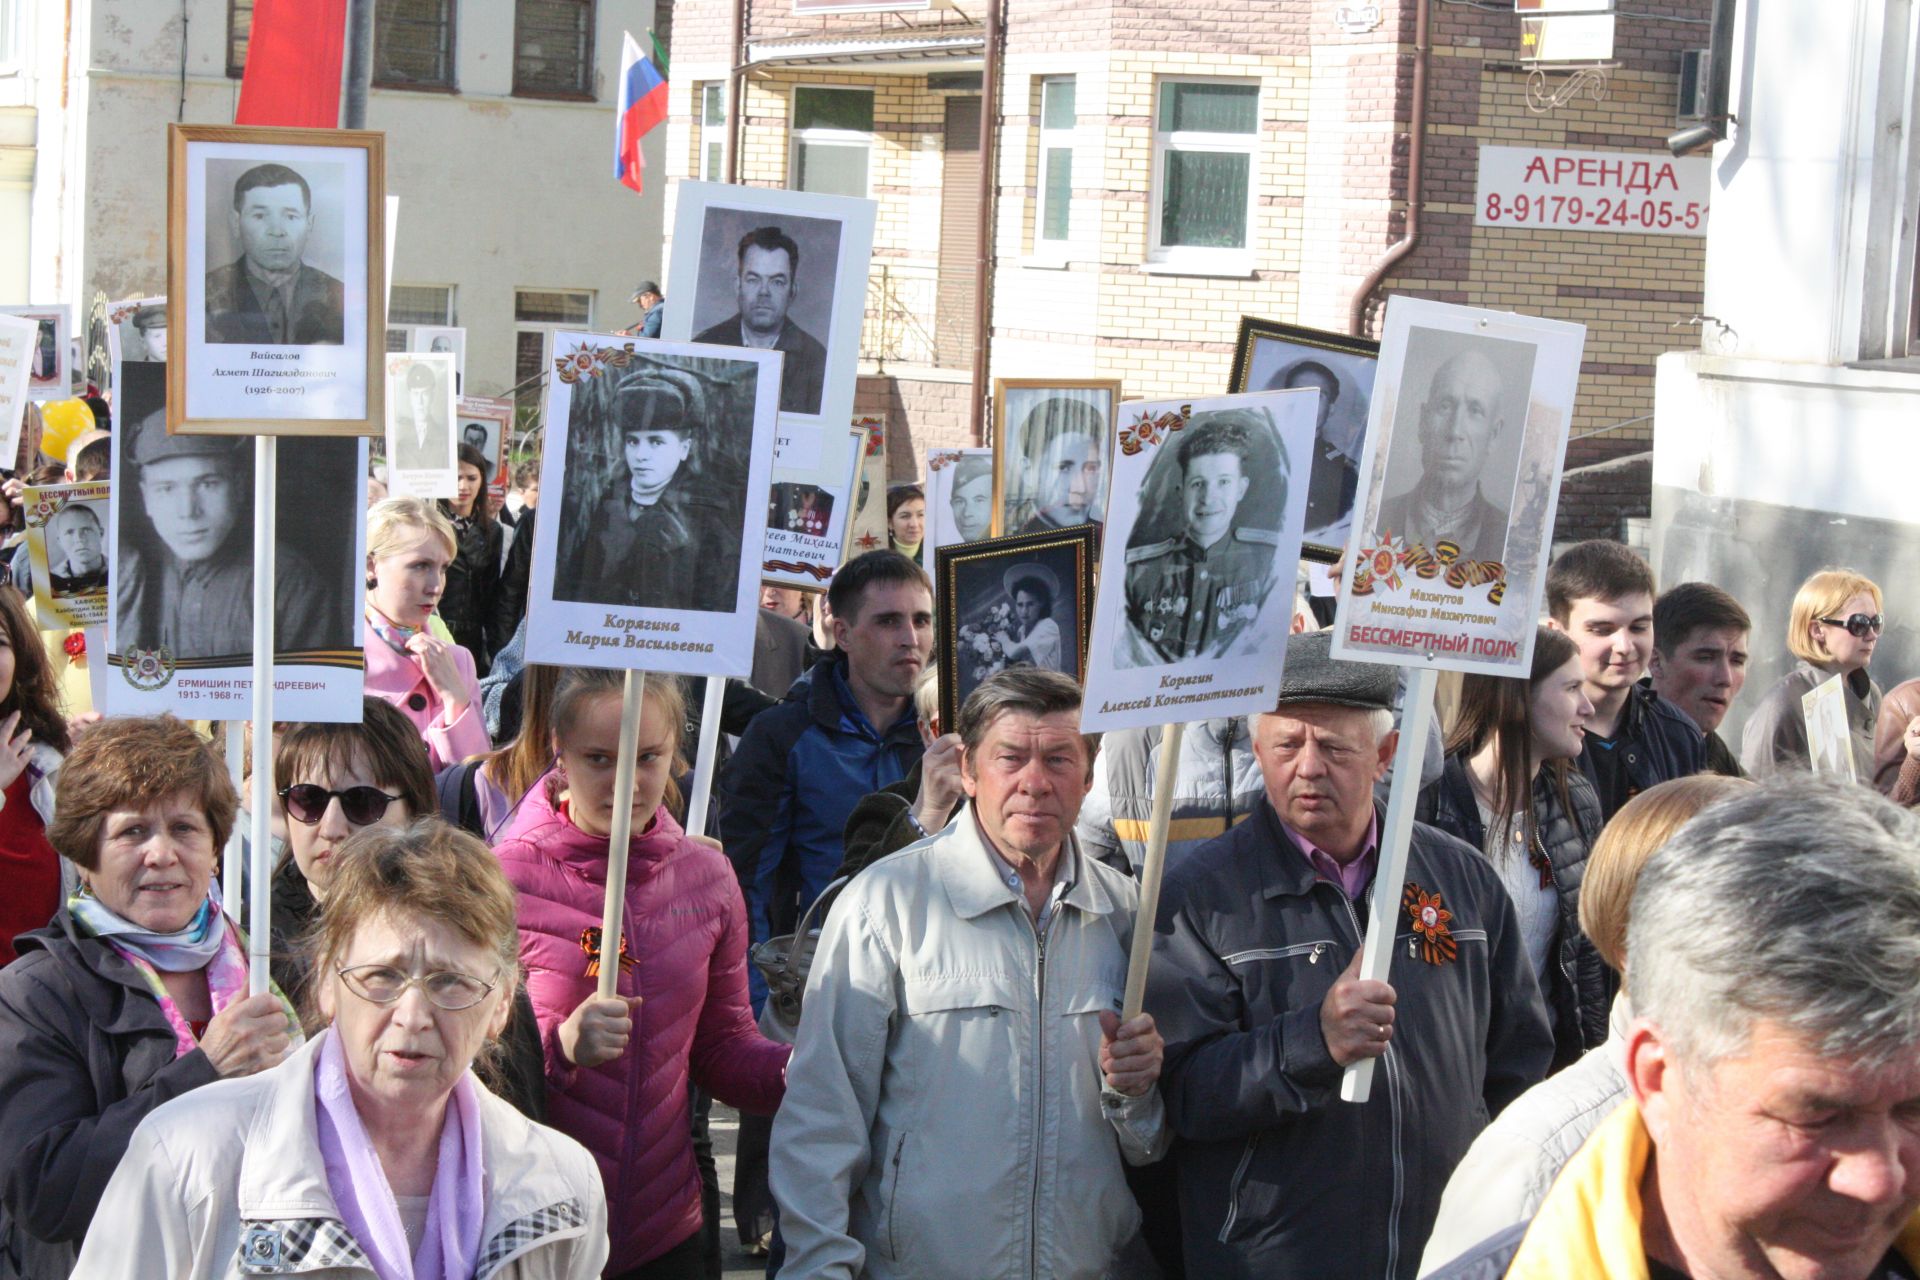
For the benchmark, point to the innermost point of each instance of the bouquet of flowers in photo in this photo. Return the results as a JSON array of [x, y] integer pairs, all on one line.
[[980, 649]]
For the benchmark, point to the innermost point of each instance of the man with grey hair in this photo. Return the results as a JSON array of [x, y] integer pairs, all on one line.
[[1460, 419], [1256, 983], [963, 1093], [1773, 1059]]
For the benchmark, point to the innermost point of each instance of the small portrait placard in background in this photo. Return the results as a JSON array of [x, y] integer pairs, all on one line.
[[422, 449], [19, 341], [486, 423], [1199, 558], [48, 377], [1830, 748], [959, 497], [867, 528], [1051, 441], [67, 547], [277, 279]]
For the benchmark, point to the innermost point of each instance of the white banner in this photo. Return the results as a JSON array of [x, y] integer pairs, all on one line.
[[1644, 193]]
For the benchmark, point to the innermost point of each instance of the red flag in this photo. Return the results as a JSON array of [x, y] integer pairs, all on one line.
[[293, 64]]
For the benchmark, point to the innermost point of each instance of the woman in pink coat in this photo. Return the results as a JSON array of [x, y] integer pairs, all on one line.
[[431, 681], [617, 1069]]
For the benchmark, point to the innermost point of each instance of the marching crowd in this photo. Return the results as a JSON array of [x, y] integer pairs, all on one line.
[[942, 1084]]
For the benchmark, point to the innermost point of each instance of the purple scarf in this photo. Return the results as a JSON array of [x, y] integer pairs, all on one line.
[[451, 1242]]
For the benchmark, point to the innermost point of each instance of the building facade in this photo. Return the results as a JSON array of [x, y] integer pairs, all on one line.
[[1161, 169], [498, 117]]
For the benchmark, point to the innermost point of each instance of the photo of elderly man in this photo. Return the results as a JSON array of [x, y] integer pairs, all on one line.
[[270, 295], [767, 262]]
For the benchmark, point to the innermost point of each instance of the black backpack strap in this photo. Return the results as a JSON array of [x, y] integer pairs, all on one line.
[[458, 800]]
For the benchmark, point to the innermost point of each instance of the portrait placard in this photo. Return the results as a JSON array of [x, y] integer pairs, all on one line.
[[1285, 357], [440, 339], [67, 547], [276, 280], [657, 463], [807, 529], [1460, 478], [486, 423], [1050, 444], [867, 530], [19, 343], [136, 332], [180, 533], [1025, 600], [422, 450], [48, 372], [1829, 736], [959, 497], [1199, 558]]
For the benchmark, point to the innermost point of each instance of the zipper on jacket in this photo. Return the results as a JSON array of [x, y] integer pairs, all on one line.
[[1391, 1066], [893, 1201], [1233, 1188], [1040, 1085]]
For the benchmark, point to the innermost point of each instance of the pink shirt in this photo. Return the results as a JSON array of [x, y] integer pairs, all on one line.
[[1352, 878]]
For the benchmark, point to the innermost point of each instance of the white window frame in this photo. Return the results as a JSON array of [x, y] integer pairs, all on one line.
[[452, 291], [1193, 259], [544, 327], [827, 137], [13, 36], [1048, 251], [718, 88]]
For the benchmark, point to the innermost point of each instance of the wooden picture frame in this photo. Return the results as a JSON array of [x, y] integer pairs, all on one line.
[[1018, 500], [973, 587], [1265, 352], [302, 356]]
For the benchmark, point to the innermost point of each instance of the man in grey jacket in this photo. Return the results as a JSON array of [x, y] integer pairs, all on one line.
[[963, 1093], [1255, 981]]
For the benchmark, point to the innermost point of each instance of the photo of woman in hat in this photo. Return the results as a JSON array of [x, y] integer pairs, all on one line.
[[1033, 588]]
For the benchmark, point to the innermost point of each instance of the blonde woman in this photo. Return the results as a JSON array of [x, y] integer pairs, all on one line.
[[1833, 629], [430, 681]]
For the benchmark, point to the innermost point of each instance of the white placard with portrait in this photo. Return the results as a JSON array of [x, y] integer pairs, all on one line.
[[959, 498], [422, 449], [1459, 483], [1199, 558], [655, 472], [47, 368], [136, 332], [19, 340]]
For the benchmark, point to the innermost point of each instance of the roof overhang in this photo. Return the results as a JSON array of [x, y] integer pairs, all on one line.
[[894, 50]]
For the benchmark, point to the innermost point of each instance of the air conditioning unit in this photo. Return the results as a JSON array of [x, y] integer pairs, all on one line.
[[1694, 67]]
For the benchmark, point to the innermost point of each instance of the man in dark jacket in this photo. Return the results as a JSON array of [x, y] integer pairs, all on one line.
[[1699, 661], [1255, 986], [270, 295], [1601, 594]]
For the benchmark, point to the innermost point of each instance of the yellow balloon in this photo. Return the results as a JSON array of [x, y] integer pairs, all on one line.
[[64, 421]]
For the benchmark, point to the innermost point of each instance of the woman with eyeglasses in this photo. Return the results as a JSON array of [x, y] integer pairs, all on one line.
[[374, 1150], [618, 1068], [136, 993], [1834, 626]]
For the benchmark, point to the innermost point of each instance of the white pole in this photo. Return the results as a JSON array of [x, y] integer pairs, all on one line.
[[621, 837], [1152, 870], [260, 856], [703, 760], [1383, 915], [231, 862]]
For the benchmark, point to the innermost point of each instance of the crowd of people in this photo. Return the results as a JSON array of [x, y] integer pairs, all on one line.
[[942, 1083]]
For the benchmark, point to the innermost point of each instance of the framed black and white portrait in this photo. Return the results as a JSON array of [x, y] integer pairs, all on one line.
[[180, 631], [1051, 443], [1199, 558], [1458, 488], [959, 497], [656, 467], [423, 444], [136, 332], [1284, 357], [1025, 600], [48, 375], [867, 525], [276, 279], [486, 423]]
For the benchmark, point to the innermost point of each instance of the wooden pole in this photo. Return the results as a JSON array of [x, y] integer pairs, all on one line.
[[260, 856], [1383, 915], [709, 748], [621, 837], [1152, 869]]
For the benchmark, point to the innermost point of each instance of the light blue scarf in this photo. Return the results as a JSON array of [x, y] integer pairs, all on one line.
[[183, 951]]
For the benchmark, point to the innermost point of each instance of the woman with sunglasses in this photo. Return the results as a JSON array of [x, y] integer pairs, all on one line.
[[373, 1151], [618, 1069], [1833, 629]]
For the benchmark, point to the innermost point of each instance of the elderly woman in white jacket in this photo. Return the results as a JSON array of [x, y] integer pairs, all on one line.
[[374, 1151]]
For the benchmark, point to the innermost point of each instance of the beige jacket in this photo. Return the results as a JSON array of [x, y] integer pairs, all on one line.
[[945, 1115], [227, 1181]]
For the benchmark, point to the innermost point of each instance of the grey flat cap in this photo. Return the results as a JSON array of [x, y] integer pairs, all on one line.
[[1313, 674]]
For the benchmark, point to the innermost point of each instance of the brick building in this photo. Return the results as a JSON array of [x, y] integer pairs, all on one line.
[[1162, 168]]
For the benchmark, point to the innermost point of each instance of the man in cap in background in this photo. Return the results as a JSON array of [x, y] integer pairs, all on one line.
[[1255, 984], [652, 304], [185, 576], [662, 539]]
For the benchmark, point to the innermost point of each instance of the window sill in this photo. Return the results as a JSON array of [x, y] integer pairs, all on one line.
[[413, 86], [1240, 268], [553, 95], [1048, 260]]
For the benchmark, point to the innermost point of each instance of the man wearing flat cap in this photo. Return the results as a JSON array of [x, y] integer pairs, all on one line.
[[1255, 985], [662, 538], [420, 441], [185, 577], [653, 306]]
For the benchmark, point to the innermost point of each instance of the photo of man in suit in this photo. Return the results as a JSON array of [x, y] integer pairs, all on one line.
[[1460, 420], [768, 262], [76, 551], [419, 426], [270, 295]]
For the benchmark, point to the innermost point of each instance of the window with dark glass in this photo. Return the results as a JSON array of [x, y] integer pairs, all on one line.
[[1057, 121], [413, 44], [832, 140], [239, 28], [553, 48], [1204, 142]]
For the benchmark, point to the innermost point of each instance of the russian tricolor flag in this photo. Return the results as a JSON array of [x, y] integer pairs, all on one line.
[[643, 104]]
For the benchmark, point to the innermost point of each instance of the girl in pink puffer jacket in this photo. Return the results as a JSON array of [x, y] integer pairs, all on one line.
[[617, 1069]]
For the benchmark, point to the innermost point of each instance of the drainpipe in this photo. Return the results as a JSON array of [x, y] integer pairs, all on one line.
[[1416, 157], [983, 253], [736, 84]]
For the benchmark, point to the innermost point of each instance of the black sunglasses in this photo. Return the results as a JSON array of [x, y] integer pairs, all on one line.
[[1860, 624], [363, 806]]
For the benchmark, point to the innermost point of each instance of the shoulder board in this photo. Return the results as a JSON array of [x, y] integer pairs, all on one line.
[[1151, 551], [1264, 537]]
